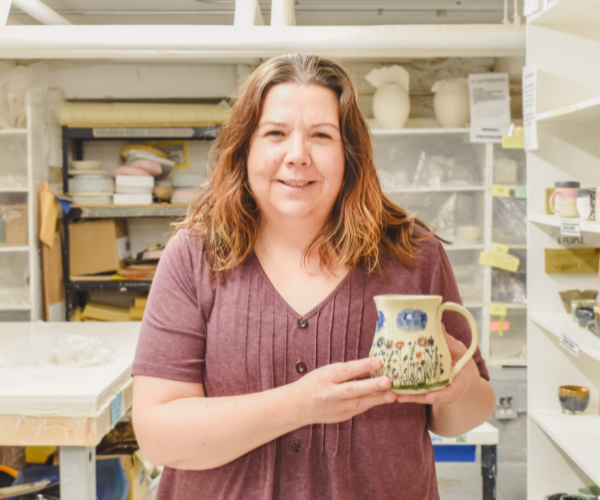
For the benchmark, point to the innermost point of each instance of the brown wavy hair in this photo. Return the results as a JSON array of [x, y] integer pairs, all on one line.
[[364, 224]]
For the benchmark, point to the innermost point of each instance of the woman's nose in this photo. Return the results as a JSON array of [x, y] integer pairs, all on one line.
[[297, 153]]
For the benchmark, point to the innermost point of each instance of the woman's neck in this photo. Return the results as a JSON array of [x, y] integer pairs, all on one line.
[[288, 238]]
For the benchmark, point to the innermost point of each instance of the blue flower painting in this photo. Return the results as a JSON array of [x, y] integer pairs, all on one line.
[[411, 320], [380, 320]]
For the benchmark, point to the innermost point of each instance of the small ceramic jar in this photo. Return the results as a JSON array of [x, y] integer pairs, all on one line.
[[563, 201], [391, 105], [451, 102], [586, 204], [573, 399]]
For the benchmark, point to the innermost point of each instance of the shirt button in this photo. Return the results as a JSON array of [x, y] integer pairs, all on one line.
[[296, 447], [301, 367], [302, 323]]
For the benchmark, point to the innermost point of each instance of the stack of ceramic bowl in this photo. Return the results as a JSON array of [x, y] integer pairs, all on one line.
[[89, 184], [185, 187], [142, 156]]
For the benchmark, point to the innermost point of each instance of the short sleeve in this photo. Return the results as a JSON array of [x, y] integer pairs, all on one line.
[[172, 338], [443, 283]]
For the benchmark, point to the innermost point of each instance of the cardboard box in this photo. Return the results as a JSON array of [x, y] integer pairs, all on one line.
[[138, 471], [13, 224], [98, 246]]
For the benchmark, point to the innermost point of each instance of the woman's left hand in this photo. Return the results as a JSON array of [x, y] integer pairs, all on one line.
[[461, 384]]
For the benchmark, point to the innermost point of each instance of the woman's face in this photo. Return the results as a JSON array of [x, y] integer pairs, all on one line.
[[296, 157]]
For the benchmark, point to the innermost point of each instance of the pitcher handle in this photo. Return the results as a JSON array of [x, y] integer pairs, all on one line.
[[452, 306], [551, 203]]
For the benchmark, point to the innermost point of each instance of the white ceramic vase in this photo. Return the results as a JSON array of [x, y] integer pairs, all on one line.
[[391, 105], [451, 102]]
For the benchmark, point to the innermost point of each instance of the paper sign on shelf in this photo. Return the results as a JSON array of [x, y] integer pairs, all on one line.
[[490, 107], [496, 326], [570, 228], [497, 309], [501, 261], [529, 106], [499, 248], [514, 141], [521, 192], [500, 190], [569, 344], [488, 133]]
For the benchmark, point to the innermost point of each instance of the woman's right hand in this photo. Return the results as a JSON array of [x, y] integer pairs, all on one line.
[[331, 396]]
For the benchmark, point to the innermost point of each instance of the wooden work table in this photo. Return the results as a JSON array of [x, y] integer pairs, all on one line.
[[71, 408]]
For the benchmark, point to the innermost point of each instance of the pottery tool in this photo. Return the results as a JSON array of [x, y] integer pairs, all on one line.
[[23, 489]]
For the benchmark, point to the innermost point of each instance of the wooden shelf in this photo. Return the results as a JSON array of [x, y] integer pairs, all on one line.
[[507, 362], [13, 131], [560, 323], [14, 307], [554, 221], [443, 189], [576, 435], [110, 211], [414, 131], [8, 249], [582, 112], [474, 246]]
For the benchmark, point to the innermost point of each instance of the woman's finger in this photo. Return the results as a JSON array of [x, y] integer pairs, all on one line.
[[359, 388], [342, 372], [364, 403]]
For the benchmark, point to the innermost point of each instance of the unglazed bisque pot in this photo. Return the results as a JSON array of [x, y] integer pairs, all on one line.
[[410, 341]]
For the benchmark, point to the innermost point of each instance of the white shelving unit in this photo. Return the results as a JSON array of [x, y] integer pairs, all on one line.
[[562, 449], [20, 265], [401, 150]]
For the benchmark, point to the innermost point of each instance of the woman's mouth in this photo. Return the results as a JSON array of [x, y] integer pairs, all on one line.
[[296, 183]]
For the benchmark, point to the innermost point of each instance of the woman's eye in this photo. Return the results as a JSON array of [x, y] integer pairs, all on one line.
[[321, 135], [274, 132]]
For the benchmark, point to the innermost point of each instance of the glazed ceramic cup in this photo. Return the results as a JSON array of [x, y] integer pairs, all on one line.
[[590, 491], [563, 201], [573, 399], [584, 203], [566, 296], [410, 341]]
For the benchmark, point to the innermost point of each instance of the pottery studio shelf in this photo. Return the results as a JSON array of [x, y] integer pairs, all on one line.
[[111, 211], [560, 323], [554, 221], [378, 132], [109, 285], [587, 111], [577, 435], [442, 189], [565, 13], [73, 141]]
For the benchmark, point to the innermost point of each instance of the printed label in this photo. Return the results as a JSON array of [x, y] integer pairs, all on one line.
[[123, 247], [499, 248], [569, 345], [521, 192], [497, 309], [570, 228], [499, 190], [501, 261], [117, 409]]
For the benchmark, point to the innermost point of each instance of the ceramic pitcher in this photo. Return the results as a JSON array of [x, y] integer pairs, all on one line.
[[410, 341]]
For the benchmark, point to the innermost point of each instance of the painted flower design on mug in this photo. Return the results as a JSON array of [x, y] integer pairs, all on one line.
[[412, 320], [380, 320]]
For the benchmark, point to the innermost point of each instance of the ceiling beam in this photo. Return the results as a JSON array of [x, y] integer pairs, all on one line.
[[248, 13], [224, 43], [283, 13], [40, 12], [4, 11]]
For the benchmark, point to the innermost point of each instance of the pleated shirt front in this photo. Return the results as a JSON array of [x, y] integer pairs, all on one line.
[[241, 337]]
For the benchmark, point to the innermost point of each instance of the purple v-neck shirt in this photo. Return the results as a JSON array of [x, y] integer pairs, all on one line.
[[241, 337]]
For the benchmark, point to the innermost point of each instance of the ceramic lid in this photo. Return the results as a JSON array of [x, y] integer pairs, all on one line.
[[567, 184]]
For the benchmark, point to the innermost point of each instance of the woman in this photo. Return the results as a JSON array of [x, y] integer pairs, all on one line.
[[251, 374]]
